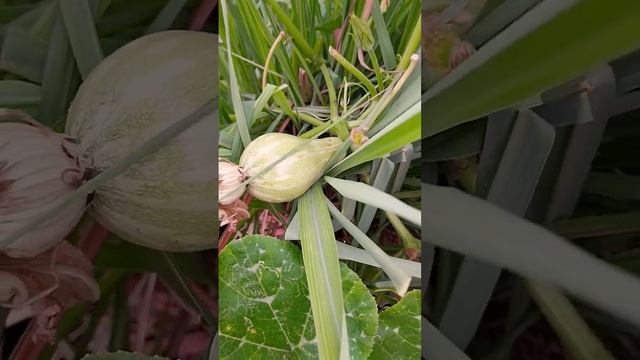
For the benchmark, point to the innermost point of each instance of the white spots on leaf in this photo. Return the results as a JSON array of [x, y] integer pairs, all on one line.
[[254, 268], [266, 299], [304, 342]]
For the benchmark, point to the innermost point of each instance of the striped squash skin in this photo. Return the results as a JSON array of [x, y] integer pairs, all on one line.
[[166, 201], [290, 178]]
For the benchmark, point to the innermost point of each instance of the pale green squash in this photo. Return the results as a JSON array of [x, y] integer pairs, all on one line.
[[166, 201]]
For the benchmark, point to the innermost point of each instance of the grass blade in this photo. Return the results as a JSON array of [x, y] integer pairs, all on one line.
[[83, 37], [399, 278], [496, 20], [23, 54], [348, 252], [495, 236], [14, 93], [381, 182], [11, 12], [568, 324], [514, 57], [371, 196], [59, 79], [594, 226], [386, 48], [167, 16], [408, 95], [512, 189], [234, 89], [436, 346], [291, 29], [402, 131], [322, 269]]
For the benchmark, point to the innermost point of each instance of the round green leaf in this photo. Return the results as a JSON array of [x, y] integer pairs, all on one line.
[[265, 311], [399, 330]]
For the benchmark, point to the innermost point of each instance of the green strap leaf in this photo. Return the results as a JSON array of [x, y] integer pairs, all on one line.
[[546, 47], [365, 194], [234, 89], [567, 322], [498, 237], [322, 270], [19, 93], [83, 36], [437, 346], [399, 278], [404, 130]]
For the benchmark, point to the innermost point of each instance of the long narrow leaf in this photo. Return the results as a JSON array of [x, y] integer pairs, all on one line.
[[23, 54], [386, 48], [513, 187], [500, 238], [291, 29], [167, 16], [241, 118], [322, 269], [399, 278], [348, 252], [83, 37], [569, 325], [19, 93], [371, 196], [554, 31], [436, 346], [380, 182], [402, 131], [59, 78]]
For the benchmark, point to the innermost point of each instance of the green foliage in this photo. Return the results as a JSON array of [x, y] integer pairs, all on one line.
[[399, 335], [265, 307], [323, 59]]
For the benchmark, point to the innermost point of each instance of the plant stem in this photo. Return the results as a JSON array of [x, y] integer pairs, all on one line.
[[376, 69], [310, 119], [353, 70], [333, 101], [269, 56], [341, 130], [411, 244], [389, 95]]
